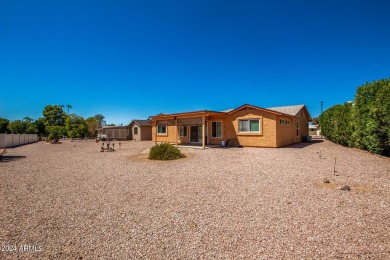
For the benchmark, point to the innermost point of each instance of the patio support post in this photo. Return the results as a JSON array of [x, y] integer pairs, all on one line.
[[177, 132], [203, 132], [155, 133]]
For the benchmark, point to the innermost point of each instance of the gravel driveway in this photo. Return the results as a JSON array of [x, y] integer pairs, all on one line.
[[69, 201]]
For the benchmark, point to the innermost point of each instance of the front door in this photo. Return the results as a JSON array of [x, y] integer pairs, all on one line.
[[195, 134]]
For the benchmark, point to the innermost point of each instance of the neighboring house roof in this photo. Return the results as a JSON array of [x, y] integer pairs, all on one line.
[[141, 122], [111, 126]]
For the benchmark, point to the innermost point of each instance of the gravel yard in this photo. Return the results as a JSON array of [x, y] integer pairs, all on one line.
[[69, 201]]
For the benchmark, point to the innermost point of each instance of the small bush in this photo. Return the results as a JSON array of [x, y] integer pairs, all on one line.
[[165, 151]]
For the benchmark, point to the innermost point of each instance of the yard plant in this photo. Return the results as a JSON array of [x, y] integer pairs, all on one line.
[[165, 151], [363, 123]]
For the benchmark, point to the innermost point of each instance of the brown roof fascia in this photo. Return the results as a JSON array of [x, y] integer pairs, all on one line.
[[259, 108], [307, 113], [188, 114]]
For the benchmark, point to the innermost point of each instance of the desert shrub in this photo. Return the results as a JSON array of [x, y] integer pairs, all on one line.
[[165, 151]]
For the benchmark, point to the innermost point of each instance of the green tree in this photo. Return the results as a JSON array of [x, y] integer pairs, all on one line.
[[92, 124], [40, 125], [54, 115], [4, 125], [17, 127], [54, 133], [75, 126], [100, 119]]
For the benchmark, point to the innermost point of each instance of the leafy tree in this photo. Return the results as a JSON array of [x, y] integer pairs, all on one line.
[[75, 126], [4, 125], [40, 125], [54, 133], [25, 126], [100, 119], [92, 124], [31, 128], [17, 127], [54, 115]]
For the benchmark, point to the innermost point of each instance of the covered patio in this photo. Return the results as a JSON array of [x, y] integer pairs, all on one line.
[[189, 129]]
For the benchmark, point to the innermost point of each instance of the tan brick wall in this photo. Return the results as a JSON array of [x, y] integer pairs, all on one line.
[[285, 133], [170, 137], [216, 140], [272, 134], [267, 135]]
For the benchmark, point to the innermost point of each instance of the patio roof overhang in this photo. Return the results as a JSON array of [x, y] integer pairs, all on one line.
[[201, 113]]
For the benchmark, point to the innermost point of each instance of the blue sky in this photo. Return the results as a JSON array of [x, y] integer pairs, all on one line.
[[133, 59]]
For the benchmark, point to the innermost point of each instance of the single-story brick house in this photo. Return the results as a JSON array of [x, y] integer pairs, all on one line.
[[250, 125], [140, 130], [113, 132]]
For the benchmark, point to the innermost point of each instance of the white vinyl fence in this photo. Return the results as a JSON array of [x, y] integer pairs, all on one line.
[[10, 140]]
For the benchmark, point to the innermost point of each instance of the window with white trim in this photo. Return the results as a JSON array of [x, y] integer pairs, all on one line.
[[162, 129], [135, 130], [216, 129], [287, 122], [281, 121], [182, 131], [249, 126]]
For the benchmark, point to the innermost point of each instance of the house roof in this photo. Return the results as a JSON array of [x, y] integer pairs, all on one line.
[[193, 113], [141, 122], [258, 108], [284, 111], [291, 110]]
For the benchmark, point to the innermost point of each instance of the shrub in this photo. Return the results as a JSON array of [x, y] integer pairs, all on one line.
[[54, 133], [365, 123], [165, 151]]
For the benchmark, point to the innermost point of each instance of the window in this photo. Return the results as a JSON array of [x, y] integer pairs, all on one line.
[[135, 130], [297, 128], [182, 131], [162, 129], [282, 121], [252, 125], [287, 122], [216, 129]]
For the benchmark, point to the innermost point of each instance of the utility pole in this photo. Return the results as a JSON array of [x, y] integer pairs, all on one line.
[[322, 105]]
